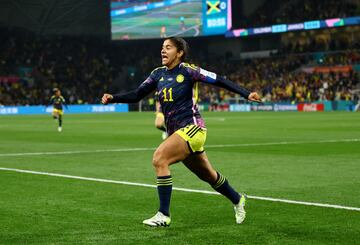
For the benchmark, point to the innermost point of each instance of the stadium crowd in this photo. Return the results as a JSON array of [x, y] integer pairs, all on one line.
[[286, 79], [284, 11], [79, 66], [84, 68]]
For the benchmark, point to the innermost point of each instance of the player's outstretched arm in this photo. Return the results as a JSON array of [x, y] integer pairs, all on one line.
[[233, 87], [133, 96], [50, 102], [129, 97], [212, 78], [65, 104]]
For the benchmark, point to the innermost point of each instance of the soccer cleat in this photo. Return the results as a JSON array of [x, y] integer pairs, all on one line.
[[240, 210], [159, 219], [59, 129]]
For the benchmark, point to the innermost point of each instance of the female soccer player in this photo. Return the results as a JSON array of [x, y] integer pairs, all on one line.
[[174, 82], [57, 101]]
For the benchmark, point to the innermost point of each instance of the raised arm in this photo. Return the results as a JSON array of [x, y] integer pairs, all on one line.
[[50, 102], [64, 102], [199, 74], [133, 96]]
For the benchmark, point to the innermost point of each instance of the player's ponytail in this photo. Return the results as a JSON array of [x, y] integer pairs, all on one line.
[[181, 45]]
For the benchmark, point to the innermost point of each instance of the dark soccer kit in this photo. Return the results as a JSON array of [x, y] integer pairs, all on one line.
[[176, 89], [177, 95], [57, 102]]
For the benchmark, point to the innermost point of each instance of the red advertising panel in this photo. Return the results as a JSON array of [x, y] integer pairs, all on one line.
[[310, 107], [327, 69]]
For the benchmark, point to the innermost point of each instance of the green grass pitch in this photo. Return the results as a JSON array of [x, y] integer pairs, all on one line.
[[295, 156]]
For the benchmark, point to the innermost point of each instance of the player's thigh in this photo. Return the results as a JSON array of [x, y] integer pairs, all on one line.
[[172, 150], [200, 165]]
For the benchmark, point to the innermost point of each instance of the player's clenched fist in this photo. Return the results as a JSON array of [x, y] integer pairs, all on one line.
[[254, 97], [106, 98]]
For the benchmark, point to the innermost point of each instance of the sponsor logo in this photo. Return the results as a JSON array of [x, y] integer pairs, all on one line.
[[237, 107], [259, 30], [278, 28], [311, 107], [262, 108], [288, 107], [294, 27], [103, 108], [9, 110], [315, 24]]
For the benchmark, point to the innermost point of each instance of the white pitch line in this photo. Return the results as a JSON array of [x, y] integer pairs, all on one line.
[[324, 205], [153, 148], [285, 143], [73, 152]]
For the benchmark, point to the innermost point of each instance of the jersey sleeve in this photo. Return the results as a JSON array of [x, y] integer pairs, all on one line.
[[51, 101], [64, 102], [202, 75], [136, 95]]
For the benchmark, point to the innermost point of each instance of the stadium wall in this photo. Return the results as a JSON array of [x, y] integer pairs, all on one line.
[[72, 109], [302, 107], [96, 108]]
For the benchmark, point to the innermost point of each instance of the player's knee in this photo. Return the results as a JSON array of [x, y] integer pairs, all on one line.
[[158, 159]]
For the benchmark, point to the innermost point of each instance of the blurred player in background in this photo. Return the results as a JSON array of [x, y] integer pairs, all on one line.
[[182, 23], [57, 101], [175, 82], [163, 32]]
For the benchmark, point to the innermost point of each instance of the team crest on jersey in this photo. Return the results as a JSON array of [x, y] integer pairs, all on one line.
[[180, 78]]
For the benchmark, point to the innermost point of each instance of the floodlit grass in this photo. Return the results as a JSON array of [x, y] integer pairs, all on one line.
[[295, 156]]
